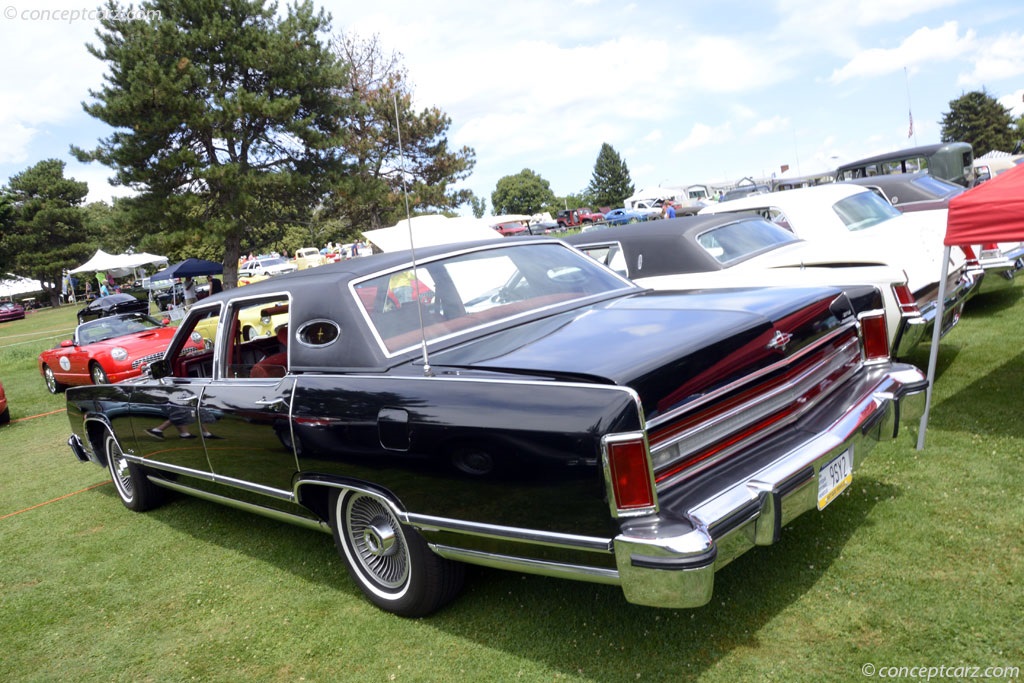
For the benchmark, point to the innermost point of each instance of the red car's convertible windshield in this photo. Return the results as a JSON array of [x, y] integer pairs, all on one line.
[[102, 329]]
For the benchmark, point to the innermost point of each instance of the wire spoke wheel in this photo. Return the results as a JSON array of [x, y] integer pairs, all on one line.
[[391, 563], [377, 541], [134, 489]]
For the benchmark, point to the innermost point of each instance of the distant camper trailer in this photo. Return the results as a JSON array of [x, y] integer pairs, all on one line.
[[952, 161]]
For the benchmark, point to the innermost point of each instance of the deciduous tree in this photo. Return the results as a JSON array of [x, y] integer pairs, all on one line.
[[372, 194], [525, 193]]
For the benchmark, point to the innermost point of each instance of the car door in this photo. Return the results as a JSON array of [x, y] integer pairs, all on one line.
[[165, 411], [245, 412]]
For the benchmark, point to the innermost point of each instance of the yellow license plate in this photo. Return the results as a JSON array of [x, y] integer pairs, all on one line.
[[834, 477]]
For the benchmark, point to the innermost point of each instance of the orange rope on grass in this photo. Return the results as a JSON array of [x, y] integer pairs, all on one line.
[[66, 495], [32, 417]]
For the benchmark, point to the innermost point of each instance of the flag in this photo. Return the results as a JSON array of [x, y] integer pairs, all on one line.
[[910, 133]]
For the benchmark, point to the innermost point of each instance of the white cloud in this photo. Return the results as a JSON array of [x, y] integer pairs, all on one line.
[[1014, 102], [923, 45], [702, 135], [772, 126], [999, 59]]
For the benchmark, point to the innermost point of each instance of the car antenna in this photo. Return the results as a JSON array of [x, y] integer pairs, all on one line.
[[427, 372]]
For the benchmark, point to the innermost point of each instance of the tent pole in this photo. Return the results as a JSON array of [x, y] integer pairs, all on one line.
[[933, 353]]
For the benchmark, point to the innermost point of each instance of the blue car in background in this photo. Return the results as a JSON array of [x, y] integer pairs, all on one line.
[[623, 216]]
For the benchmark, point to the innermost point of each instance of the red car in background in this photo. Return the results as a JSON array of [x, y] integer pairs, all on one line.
[[5, 412], [109, 349], [11, 311]]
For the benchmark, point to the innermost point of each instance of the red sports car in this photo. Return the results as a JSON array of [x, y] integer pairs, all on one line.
[[109, 349], [11, 311]]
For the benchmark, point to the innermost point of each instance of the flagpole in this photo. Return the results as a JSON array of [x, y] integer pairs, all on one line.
[[910, 109]]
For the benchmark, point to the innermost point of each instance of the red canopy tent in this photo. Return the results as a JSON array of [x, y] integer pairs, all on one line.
[[990, 212]]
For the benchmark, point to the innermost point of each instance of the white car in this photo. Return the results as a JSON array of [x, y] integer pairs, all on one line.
[[271, 265], [856, 224], [716, 252]]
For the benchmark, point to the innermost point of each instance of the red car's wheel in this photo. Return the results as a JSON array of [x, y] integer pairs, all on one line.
[[52, 384], [97, 374]]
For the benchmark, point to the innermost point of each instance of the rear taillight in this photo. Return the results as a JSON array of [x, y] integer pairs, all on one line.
[[905, 298], [629, 475], [875, 335]]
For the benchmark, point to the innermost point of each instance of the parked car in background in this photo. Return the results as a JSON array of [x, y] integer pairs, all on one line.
[[953, 161], [5, 411], [857, 222], [309, 257], [109, 349], [912, 191], [730, 250], [10, 310], [987, 167], [514, 404], [576, 218], [925, 192], [623, 216], [112, 304], [270, 266], [511, 228], [745, 188]]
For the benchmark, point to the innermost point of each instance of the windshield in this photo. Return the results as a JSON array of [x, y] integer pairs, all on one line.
[[103, 329], [458, 293], [864, 210], [737, 241]]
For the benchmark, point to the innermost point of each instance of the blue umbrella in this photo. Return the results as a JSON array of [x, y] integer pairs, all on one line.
[[190, 267]]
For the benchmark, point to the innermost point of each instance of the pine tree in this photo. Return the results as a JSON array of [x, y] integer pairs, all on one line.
[[225, 116], [610, 183], [979, 119]]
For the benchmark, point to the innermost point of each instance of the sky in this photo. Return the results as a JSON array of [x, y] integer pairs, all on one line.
[[685, 92]]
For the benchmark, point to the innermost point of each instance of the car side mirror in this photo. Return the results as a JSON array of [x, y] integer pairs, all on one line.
[[159, 368], [67, 343]]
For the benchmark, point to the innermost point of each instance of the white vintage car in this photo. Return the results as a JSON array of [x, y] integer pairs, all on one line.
[[858, 225], [718, 252]]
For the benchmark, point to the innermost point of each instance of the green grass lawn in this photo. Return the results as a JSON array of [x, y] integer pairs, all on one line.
[[919, 564]]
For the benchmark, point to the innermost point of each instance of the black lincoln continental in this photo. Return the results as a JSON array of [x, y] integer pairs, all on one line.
[[511, 404]]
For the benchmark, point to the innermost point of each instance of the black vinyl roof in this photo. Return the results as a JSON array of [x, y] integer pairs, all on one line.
[[663, 247]]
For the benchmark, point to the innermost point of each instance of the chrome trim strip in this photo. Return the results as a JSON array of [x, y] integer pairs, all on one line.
[[241, 505], [540, 567], [547, 538], [213, 478], [833, 362], [748, 379]]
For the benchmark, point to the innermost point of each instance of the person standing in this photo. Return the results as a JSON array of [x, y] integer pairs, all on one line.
[[190, 292], [667, 210]]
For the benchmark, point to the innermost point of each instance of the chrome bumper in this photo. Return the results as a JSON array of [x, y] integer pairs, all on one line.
[[670, 559], [919, 328], [1000, 271]]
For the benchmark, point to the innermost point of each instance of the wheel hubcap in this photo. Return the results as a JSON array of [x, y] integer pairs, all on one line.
[[378, 546]]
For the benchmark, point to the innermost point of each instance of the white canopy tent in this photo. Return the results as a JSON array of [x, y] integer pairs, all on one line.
[[118, 265], [14, 284], [427, 231]]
